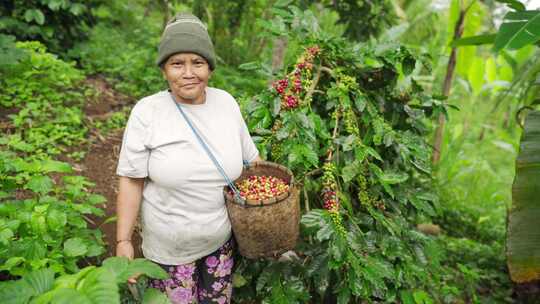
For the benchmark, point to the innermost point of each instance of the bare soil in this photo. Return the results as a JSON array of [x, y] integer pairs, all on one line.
[[99, 164]]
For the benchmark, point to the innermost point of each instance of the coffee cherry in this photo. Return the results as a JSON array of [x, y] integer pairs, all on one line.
[[297, 85], [314, 50], [281, 85], [261, 187], [290, 101]]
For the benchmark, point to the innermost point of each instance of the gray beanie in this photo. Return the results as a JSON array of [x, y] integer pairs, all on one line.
[[185, 33]]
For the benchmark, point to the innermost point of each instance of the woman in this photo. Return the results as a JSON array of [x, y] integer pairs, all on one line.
[[166, 174]]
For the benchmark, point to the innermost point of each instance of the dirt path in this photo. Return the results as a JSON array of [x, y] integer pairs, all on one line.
[[99, 164]]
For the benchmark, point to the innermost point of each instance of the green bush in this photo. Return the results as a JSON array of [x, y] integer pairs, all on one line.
[[47, 227], [42, 91], [349, 120], [44, 208], [104, 284], [56, 23]]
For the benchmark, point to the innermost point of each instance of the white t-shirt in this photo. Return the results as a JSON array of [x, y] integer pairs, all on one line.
[[183, 213]]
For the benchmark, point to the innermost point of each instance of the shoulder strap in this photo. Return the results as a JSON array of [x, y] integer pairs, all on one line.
[[205, 147]]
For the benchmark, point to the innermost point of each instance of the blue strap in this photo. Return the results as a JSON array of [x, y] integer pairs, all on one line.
[[216, 162]]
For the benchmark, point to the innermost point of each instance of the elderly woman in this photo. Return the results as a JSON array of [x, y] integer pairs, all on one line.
[[166, 174]]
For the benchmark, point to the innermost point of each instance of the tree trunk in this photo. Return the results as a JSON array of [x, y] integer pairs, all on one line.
[[166, 12], [278, 53], [439, 132]]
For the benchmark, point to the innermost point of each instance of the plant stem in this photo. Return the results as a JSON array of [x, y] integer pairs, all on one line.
[[334, 134], [447, 85]]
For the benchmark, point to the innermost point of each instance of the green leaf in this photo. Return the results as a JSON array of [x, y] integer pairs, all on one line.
[[117, 266], [421, 297], [40, 184], [56, 166], [295, 155], [310, 155], [40, 281], [282, 3], [406, 297], [263, 280], [12, 262], [77, 9], [70, 281], [15, 292], [95, 199], [100, 286], [518, 29], [474, 40], [313, 219], [523, 237], [56, 219], [373, 153], [38, 222], [249, 66], [147, 268], [349, 143], [154, 296], [518, 6], [350, 171], [34, 14], [238, 280], [391, 178], [325, 232], [63, 296], [75, 247], [282, 133], [34, 250], [55, 4], [5, 235], [94, 250]]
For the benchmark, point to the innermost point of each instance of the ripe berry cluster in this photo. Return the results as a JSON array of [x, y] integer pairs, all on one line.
[[281, 85], [330, 201], [313, 51], [330, 198], [261, 187], [290, 87]]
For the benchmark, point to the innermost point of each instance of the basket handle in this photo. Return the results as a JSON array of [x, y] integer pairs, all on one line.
[[237, 196]]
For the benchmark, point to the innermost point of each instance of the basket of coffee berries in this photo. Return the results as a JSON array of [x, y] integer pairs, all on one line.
[[266, 219]]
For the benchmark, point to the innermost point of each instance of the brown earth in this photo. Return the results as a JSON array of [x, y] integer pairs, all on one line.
[[99, 164]]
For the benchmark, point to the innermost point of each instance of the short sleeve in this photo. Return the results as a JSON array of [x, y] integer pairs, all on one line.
[[134, 154], [249, 150]]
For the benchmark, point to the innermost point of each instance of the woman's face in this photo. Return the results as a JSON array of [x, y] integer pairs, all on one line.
[[187, 75]]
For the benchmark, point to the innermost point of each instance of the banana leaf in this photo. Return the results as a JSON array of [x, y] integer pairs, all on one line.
[[523, 226]]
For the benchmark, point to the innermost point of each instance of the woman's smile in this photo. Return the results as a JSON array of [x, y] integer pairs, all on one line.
[[187, 74]]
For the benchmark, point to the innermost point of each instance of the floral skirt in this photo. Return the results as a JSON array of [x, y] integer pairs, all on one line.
[[207, 280]]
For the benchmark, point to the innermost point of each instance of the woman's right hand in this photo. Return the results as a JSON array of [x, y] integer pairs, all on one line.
[[125, 249]]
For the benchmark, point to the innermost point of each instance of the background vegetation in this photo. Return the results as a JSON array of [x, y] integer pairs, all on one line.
[[406, 231]]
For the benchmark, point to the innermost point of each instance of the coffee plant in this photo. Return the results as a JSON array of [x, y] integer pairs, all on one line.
[[350, 121]]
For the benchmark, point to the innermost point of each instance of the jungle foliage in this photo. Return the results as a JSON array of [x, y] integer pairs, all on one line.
[[350, 111]]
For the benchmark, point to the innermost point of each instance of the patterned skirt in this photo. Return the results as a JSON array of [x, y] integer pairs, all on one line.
[[206, 280]]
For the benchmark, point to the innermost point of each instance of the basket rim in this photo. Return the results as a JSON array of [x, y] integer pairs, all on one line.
[[261, 203]]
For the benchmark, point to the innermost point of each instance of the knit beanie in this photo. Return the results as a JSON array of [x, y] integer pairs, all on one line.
[[185, 33]]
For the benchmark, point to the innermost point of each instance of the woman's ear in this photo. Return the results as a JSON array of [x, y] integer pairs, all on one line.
[[162, 69]]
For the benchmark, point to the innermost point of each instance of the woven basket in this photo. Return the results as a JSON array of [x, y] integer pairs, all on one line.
[[269, 227]]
